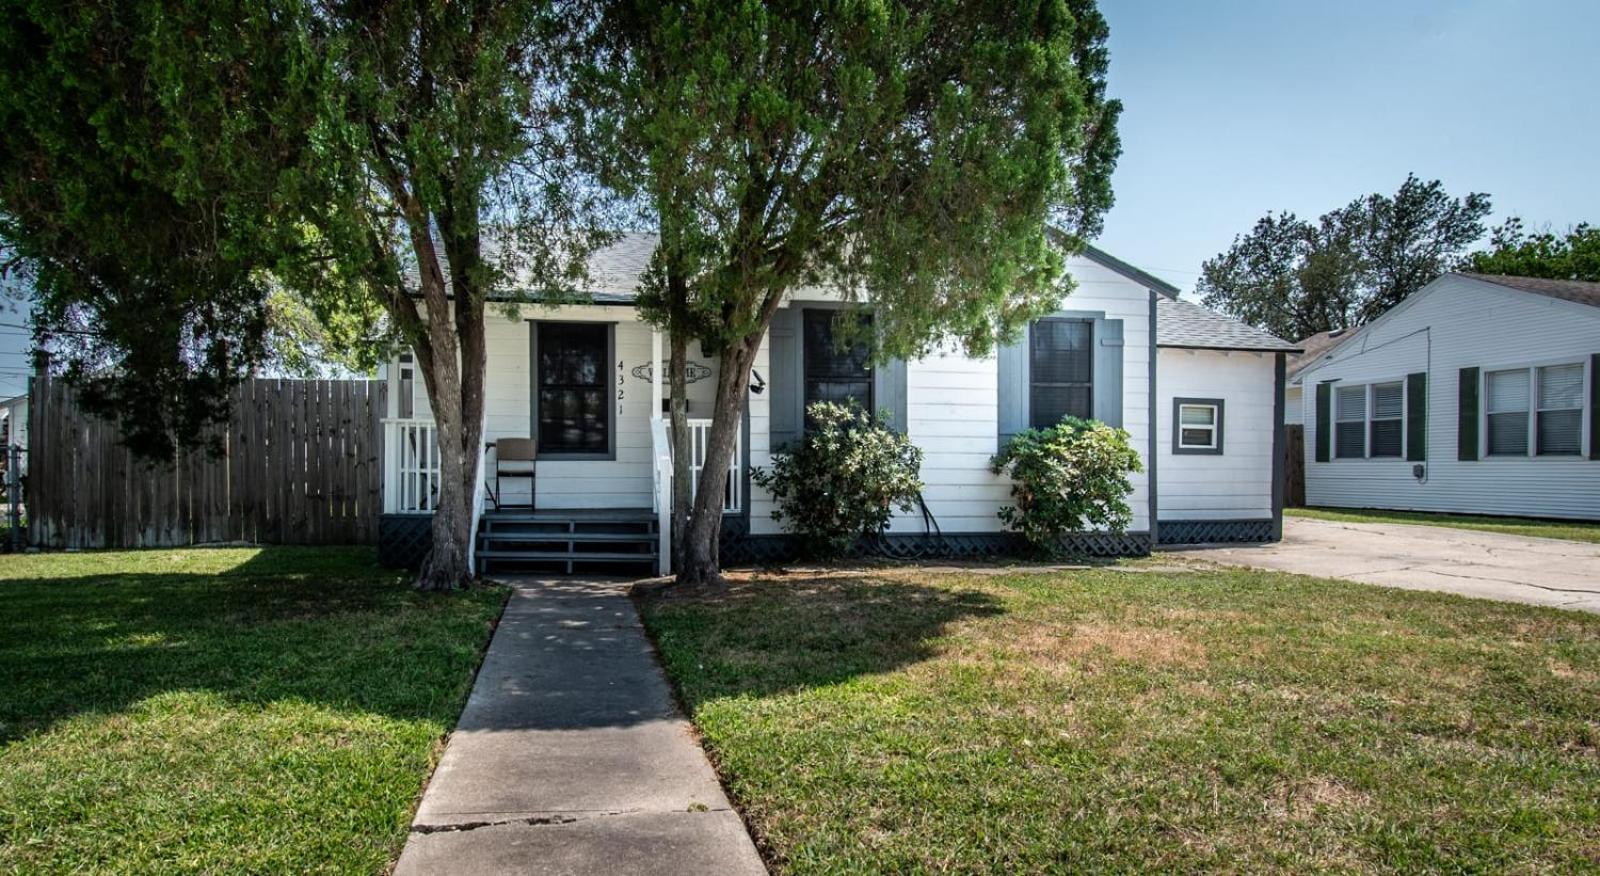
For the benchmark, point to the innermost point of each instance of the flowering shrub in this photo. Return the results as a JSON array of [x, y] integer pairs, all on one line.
[[843, 479], [1071, 477]]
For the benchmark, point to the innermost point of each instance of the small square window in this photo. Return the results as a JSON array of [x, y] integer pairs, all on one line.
[[1197, 425]]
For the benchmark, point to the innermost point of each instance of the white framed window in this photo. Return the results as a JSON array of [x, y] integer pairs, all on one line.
[[1534, 411], [1387, 424], [1559, 421], [1197, 425], [1350, 422], [1370, 420]]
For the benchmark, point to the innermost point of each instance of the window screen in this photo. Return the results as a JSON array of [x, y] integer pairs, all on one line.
[[1387, 424], [1560, 410], [574, 405], [1350, 422], [1507, 407], [832, 374], [1197, 426], [1060, 371]]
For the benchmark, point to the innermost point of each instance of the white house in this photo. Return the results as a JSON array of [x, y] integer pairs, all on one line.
[[1477, 394], [1199, 394]]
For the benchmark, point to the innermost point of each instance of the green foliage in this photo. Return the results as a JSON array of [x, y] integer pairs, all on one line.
[[1295, 278], [141, 176], [912, 154], [843, 479], [1071, 477], [1512, 250]]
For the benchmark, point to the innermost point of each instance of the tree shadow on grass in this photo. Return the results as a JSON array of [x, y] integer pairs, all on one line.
[[769, 636], [100, 632]]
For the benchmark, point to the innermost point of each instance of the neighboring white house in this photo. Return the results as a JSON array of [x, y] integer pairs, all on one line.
[[14, 425], [582, 382], [1313, 350], [1477, 394]]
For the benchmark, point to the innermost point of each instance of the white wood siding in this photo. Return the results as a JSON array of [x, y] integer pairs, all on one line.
[[951, 413], [1455, 323], [1237, 484], [1292, 413]]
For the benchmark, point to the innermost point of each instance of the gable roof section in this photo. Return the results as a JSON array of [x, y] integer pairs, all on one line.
[[1576, 291], [1145, 279], [1185, 324], [1318, 345]]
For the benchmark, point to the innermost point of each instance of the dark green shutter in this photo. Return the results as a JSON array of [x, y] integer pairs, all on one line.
[[1594, 406], [1324, 422], [1467, 416], [783, 366], [1417, 416]]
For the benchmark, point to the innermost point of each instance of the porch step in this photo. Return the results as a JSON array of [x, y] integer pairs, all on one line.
[[567, 542]]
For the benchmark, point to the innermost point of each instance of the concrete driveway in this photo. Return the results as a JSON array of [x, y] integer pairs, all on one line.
[[1538, 571]]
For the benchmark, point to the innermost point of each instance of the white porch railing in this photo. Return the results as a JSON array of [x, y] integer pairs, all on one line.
[[410, 466], [699, 435]]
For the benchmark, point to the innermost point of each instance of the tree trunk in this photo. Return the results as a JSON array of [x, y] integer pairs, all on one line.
[[681, 488], [702, 565]]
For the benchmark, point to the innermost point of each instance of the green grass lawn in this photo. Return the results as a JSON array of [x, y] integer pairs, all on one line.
[[223, 711], [1142, 718], [1574, 530]]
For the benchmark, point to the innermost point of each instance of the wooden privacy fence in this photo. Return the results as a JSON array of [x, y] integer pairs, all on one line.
[[301, 463], [1294, 465]]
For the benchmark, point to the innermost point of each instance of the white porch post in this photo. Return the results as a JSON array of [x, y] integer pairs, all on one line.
[[663, 482]]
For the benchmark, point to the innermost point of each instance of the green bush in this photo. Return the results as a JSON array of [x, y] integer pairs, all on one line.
[[1072, 477], [843, 479]]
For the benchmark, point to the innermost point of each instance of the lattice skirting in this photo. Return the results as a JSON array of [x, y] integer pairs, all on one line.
[[404, 539], [756, 550], [1214, 531]]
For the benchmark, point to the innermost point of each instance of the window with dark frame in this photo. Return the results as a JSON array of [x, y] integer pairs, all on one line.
[[1060, 371], [1198, 426], [833, 374], [573, 383]]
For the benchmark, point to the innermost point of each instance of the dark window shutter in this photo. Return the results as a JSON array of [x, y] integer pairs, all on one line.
[[1594, 406], [1417, 416], [1324, 422], [1108, 371], [1012, 397], [783, 365], [1467, 416], [889, 392]]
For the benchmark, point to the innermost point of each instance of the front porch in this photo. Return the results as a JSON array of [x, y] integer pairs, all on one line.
[[601, 498]]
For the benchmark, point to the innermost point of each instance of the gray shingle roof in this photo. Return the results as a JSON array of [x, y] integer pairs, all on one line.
[[1314, 347], [1576, 291], [1186, 324]]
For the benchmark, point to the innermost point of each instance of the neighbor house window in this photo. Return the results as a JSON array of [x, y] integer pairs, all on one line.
[[407, 383], [833, 374], [1507, 412], [571, 394], [1350, 423], [1536, 411], [1060, 371], [1560, 420], [1197, 425], [1386, 426]]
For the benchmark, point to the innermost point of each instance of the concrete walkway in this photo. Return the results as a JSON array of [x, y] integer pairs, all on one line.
[[571, 756], [1537, 571]]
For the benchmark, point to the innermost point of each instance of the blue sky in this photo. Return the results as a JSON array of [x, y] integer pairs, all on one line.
[[1237, 107], [1233, 108]]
